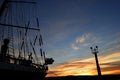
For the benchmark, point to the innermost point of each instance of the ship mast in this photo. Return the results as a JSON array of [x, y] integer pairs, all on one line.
[[22, 31], [3, 6], [9, 26]]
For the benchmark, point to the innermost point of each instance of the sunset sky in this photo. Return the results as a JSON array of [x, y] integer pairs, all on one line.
[[70, 27]]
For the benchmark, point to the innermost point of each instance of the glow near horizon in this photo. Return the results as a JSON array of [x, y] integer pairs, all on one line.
[[87, 66]]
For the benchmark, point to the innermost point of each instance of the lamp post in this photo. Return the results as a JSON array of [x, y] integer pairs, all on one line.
[[95, 51]]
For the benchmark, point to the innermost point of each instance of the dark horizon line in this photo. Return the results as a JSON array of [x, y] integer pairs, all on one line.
[[85, 75]]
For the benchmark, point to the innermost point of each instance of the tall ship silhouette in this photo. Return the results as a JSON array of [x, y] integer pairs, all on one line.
[[21, 43]]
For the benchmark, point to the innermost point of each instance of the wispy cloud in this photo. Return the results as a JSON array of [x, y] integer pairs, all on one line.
[[88, 67], [112, 44], [114, 57], [75, 47], [85, 40]]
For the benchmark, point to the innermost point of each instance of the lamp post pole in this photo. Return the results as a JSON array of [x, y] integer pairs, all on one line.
[[95, 51]]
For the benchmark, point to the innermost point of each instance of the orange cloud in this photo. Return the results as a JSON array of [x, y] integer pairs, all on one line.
[[110, 64]]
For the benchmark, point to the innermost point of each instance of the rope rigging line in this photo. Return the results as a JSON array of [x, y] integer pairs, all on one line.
[[34, 51], [10, 31]]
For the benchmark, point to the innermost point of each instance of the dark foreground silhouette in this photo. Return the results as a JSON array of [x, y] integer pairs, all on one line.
[[104, 77]]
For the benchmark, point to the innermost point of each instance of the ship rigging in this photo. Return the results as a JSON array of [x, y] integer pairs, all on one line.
[[20, 37]]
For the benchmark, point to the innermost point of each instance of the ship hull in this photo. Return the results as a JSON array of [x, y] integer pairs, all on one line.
[[7, 73], [21, 75]]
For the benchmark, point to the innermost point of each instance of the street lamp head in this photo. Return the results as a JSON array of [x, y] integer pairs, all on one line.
[[97, 47], [94, 50], [91, 48]]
